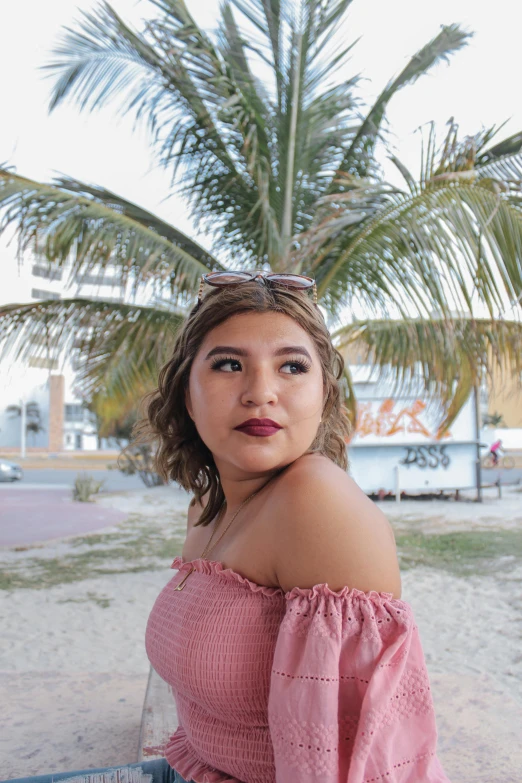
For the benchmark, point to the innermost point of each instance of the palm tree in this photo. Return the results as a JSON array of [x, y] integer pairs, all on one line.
[[282, 172], [34, 417]]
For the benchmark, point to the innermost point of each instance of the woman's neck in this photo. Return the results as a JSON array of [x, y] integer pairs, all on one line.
[[238, 489]]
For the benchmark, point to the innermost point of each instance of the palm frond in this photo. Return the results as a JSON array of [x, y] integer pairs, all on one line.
[[115, 346], [470, 158], [251, 163], [406, 174], [90, 226], [172, 75], [449, 356], [268, 18], [359, 156], [121, 409], [349, 398], [236, 202], [434, 250], [502, 162]]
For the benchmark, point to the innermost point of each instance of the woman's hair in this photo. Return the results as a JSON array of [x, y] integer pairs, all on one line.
[[181, 455]]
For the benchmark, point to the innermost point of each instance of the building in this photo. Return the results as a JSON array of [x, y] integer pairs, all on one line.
[[505, 398], [46, 378], [396, 447]]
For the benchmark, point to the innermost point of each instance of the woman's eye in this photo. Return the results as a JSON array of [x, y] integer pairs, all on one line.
[[296, 368], [234, 365], [228, 365]]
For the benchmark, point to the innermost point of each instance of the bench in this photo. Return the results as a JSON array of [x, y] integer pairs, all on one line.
[[159, 718]]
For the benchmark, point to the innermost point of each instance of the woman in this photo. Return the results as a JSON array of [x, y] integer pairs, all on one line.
[[291, 656]]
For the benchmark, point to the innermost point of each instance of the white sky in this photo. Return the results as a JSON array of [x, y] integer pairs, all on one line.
[[479, 88]]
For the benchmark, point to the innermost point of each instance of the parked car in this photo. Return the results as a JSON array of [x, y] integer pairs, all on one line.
[[10, 471]]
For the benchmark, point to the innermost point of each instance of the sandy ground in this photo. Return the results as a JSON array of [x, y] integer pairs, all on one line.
[[73, 667]]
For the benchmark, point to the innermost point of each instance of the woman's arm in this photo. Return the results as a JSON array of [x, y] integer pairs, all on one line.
[[350, 697]]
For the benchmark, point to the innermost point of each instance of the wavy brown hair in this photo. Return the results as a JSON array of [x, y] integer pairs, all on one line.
[[181, 455]]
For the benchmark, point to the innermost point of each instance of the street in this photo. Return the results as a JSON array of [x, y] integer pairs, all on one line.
[[114, 481]]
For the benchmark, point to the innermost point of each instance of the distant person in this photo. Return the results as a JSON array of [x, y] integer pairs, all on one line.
[[494, 449], [290, 654]]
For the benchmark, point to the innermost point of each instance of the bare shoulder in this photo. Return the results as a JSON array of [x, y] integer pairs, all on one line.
[[330, 532]]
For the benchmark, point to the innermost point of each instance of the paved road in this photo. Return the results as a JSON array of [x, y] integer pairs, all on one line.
[[114, 481], [30, 514]]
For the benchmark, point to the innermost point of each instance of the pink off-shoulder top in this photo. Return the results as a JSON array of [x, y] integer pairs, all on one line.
[[307, 686]]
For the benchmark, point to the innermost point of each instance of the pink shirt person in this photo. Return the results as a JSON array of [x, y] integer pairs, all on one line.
[[308, 686]]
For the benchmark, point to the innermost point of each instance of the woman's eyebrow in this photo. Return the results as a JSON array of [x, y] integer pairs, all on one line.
[[226, 349], [286, 349], [292, 349]]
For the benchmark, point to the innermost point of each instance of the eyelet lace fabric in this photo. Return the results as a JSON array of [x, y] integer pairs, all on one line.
[[308, 686]]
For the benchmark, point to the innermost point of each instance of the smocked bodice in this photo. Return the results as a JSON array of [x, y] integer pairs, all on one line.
[[291, 687]]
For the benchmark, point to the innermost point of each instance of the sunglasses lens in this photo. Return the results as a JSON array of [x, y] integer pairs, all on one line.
[[292, 281], [227, 278]]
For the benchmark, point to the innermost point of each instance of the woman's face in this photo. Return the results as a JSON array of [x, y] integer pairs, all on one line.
[[256, 366]]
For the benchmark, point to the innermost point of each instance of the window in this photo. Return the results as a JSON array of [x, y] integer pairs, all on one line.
[[100, 279], [40, 293], [74, 413], [47, 271], [39, 339], [42, 363], [78, 440]]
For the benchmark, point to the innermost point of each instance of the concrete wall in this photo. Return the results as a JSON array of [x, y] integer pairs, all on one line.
[[505, 397], [56, 412], [511, 437]]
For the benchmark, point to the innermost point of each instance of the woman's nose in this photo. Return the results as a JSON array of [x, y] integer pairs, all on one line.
[[259, 389]]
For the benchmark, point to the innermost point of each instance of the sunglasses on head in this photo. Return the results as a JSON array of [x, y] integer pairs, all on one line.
[[222, 279]]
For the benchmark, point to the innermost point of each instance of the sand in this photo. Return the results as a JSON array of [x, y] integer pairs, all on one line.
[[73, 667]]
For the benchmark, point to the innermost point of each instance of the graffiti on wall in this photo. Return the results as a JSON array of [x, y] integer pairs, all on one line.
[[386, 421], [426, 457]]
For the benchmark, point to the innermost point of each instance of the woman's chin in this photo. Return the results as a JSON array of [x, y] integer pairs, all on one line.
[[258, 458]]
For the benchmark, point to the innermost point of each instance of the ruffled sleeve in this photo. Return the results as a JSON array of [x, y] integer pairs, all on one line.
[[350, 698]]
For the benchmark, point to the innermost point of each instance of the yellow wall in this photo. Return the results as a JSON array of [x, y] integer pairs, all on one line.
[[505, 397]]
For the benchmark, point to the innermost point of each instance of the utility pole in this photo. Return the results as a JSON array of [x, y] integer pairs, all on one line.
[[23, 418], [478, 471]]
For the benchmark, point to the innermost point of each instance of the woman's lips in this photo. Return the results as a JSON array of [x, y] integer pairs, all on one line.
[[259, 428]]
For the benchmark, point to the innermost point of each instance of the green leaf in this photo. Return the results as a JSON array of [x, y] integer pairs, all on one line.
[[448, 356], [358, 157], [433, 250], [116, 346], [89, 226]]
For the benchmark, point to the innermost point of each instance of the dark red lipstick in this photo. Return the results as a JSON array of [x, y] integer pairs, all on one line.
[[259, 428]]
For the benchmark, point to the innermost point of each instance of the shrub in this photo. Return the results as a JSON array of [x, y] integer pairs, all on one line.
[[139, 459], [84, 487]]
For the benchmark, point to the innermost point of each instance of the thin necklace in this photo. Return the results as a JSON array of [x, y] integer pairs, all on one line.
[[220, 517]]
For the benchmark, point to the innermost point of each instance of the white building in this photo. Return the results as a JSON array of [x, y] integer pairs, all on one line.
[[396, 448], [46, 378]]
